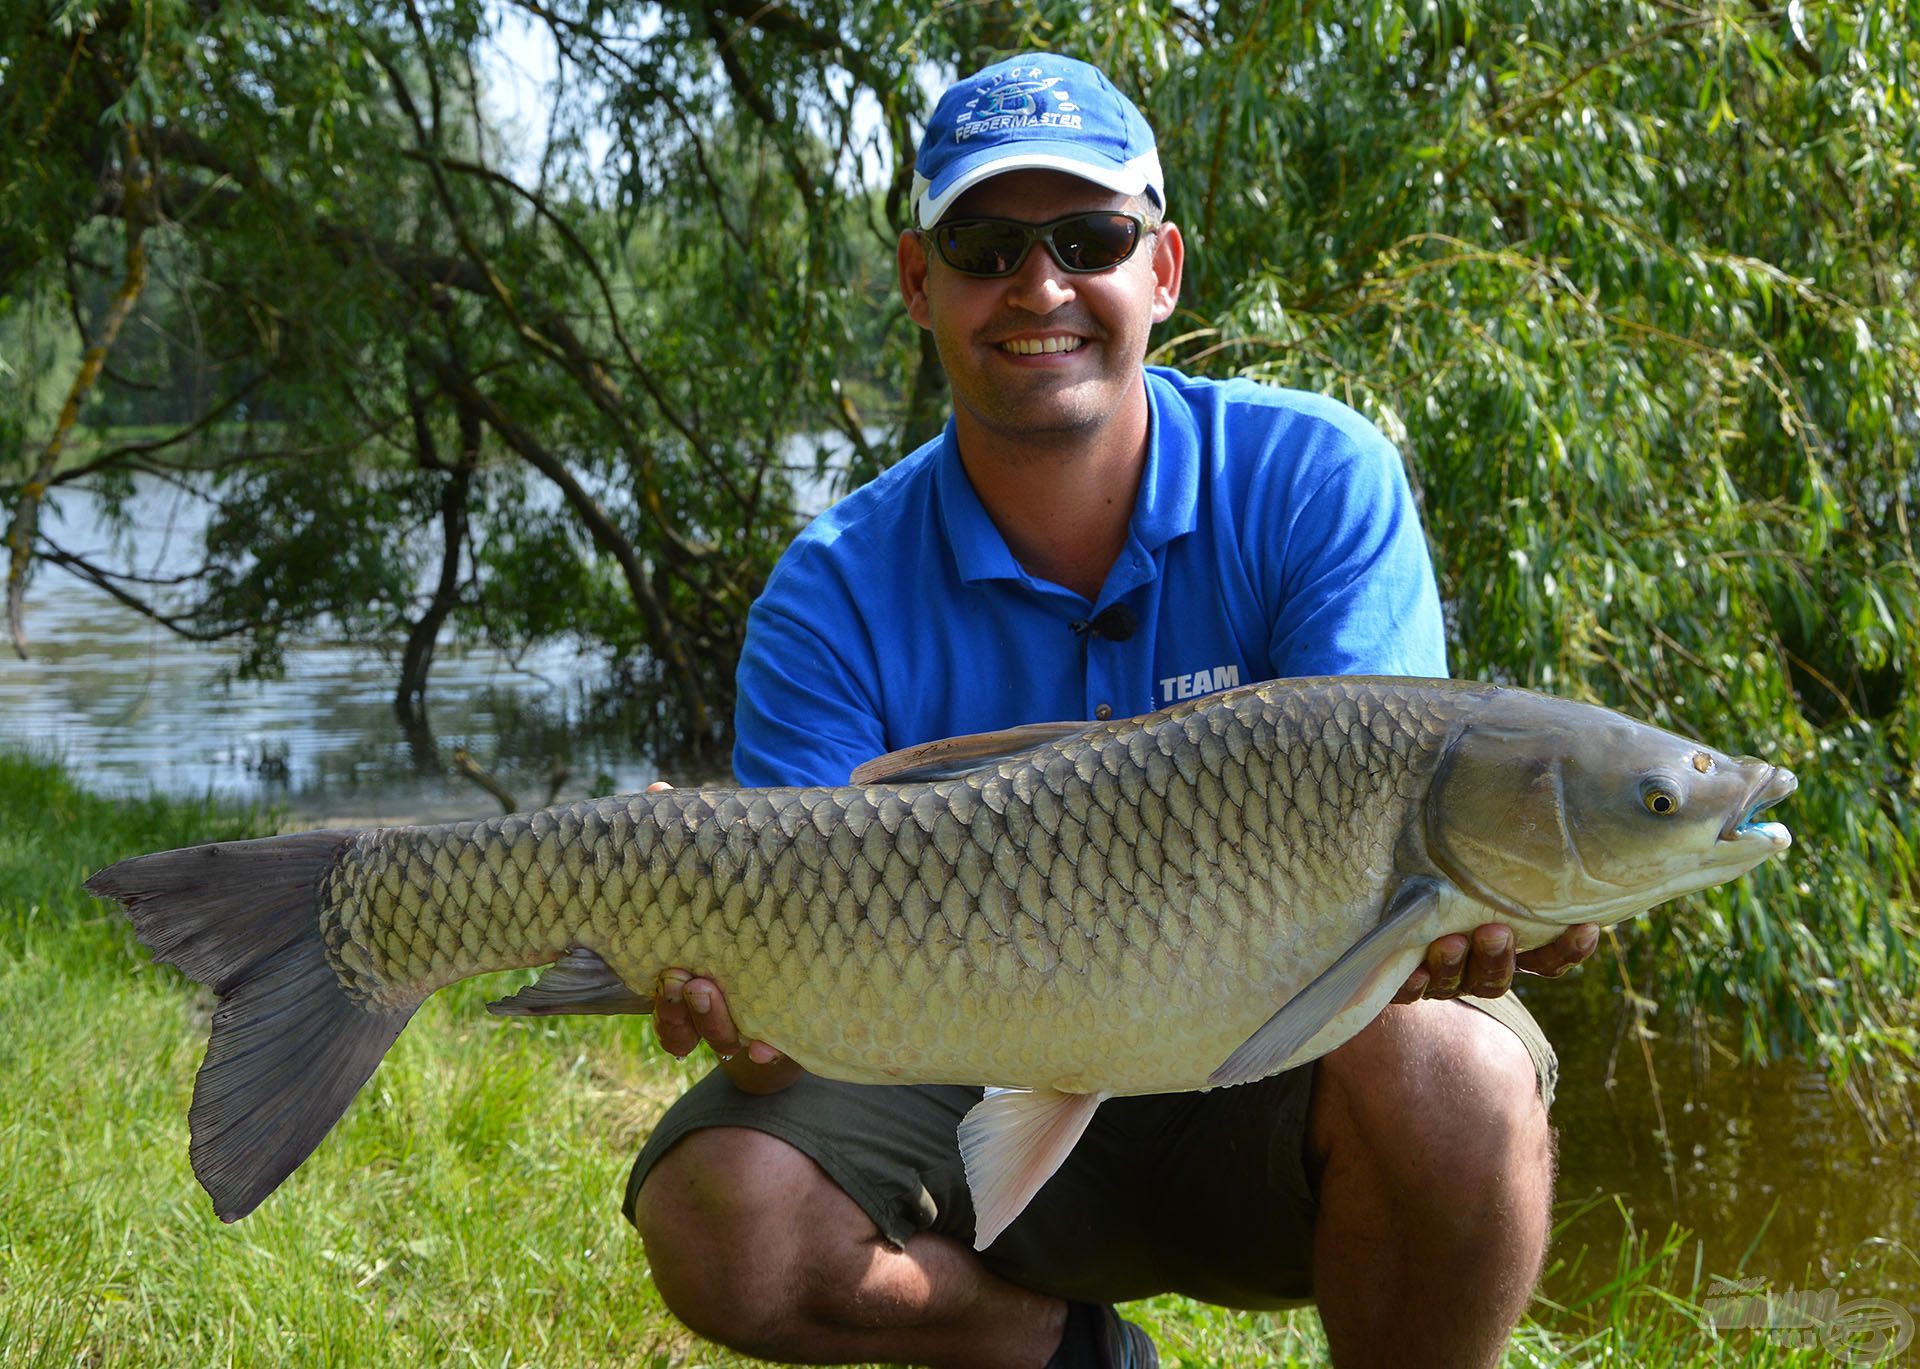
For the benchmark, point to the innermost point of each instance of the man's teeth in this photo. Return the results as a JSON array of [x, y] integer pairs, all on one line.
[[1037, 346]]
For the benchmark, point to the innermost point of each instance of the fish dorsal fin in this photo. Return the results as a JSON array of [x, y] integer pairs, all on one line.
[[954, 756], [1342, 984], [578, 982], [1012, 1141]]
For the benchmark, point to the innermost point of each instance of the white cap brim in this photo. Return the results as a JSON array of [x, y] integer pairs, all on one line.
[[1130, 178]]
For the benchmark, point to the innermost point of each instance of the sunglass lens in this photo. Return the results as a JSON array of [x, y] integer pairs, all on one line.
[[983, 247], [1094, 242]]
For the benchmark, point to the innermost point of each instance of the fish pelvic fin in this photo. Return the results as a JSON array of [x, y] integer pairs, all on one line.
[[1346, 982], [578, 982], [290, 1047], [1011, 1142]]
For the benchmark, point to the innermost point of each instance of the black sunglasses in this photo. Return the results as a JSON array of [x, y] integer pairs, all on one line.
[[1081, 243]]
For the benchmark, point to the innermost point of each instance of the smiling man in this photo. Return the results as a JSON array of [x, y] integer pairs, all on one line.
[[1091, 537]]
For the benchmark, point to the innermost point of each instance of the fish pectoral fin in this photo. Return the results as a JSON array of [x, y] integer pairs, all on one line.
[[1339, 986], [1011, 1142], [578, 982], [953, 756]]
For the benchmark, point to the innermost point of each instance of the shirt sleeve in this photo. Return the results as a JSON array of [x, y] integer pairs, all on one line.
[[1356, 593], [803, 714]]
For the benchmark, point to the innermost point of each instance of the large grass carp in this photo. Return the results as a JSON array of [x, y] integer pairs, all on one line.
[[1199, 897]]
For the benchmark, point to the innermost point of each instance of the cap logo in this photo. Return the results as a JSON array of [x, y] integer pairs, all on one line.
[[1014, 101]]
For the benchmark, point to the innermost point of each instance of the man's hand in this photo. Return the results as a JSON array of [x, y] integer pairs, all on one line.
[[689, 1009], [1484, 964]]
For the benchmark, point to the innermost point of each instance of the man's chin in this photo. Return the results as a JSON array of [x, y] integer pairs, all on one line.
[[1038, 403], [1038, 420]]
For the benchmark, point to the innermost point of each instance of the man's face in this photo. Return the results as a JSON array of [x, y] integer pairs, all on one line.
[[990, 333]]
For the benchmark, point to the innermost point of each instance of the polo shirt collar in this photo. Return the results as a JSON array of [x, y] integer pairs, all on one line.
[[1165, 507], [1169, 499], [979, 551]]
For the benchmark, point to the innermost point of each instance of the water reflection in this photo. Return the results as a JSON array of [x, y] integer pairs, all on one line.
[[1766, 1166]]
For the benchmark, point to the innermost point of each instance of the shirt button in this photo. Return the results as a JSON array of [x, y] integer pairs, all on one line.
[[1103, 712]]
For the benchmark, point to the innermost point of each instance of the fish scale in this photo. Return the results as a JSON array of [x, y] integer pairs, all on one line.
[[1194, 898]]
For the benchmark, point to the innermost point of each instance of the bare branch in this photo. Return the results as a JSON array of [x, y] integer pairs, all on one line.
[[605, 533], [108, 581]]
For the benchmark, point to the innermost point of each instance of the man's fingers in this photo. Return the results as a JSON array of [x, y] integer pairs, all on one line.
[[708, 1008], [711, 1017], [689, 1009], [1484, 964], [1557, 957], [1415, 987], [1446, 966], [671, 1021], [1489, 971]]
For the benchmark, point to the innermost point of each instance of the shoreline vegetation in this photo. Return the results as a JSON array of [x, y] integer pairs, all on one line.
[[467, 1209]]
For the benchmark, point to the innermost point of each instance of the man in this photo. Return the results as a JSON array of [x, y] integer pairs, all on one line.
[[1089, 539]]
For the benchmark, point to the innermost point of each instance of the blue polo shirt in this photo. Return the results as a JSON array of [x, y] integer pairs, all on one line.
[[1274, 534]]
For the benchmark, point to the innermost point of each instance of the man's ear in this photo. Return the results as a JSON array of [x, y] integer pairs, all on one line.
[[1169, 261], [912, 256]]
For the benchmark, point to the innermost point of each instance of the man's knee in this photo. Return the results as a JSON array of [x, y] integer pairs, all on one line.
[[1443, 1084], [718, 1214], [1435, 1176]]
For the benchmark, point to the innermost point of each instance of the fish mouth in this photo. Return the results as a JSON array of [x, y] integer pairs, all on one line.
[[1774, 785]]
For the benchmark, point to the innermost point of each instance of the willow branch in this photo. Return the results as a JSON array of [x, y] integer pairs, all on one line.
[[756, 101], [571, 344], [465, 764], [551, 338], [109, 583], [130, 452], [26, 515]]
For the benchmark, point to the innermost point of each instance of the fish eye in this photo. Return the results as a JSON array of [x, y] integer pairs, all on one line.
[[1659, 799]]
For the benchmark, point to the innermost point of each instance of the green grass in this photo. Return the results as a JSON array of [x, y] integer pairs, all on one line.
[[465, 1211]]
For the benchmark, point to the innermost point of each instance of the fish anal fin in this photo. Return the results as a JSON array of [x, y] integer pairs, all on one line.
[[953, 756], [1342, 985], [1011, 1142], [578, 982]]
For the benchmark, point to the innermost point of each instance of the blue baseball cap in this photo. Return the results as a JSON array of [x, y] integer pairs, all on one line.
[[1037, 111]]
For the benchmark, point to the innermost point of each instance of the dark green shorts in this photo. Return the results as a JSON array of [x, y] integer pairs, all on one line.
[[1198, 1193]]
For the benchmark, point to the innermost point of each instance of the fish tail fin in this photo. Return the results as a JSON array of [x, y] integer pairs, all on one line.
[[289, 1046]]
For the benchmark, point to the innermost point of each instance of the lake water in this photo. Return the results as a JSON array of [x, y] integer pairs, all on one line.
[[1779, 1178], [132, 708]]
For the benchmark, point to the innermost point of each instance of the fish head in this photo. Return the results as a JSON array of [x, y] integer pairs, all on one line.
[[1570, 813]]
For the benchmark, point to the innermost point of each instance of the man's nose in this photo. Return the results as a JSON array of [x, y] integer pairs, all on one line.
[[1041, 285]]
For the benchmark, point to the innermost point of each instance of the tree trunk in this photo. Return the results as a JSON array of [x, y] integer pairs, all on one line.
[[410, 698]]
